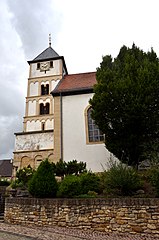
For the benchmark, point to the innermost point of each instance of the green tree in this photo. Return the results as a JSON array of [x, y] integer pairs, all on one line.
[[60, 168], [126, 103], [43, 183], [73, 167]]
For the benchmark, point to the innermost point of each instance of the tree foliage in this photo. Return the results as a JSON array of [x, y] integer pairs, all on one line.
[[126, 103], [43, 183], [24, 175], [121, 180], [62, 168]]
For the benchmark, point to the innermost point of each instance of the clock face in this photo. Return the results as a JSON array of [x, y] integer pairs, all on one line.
[[44, 66]]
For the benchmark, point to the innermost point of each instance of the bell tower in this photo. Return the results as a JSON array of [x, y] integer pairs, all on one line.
[[36, 142]]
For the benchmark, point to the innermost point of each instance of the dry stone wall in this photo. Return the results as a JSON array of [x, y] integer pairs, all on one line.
[[131, 215]]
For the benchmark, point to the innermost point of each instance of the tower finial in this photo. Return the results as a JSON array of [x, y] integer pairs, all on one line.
[[49, 39]]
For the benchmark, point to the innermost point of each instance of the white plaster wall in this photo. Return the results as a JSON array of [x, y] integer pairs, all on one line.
[[53, 71], [32, 108], [54, 84], [44, 101], [27, 142], [74, 135], [34, 89], [44, 83], [33, 126], [49, 124]]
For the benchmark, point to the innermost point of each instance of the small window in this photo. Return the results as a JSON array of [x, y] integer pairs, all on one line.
[[45, 89], [51, 64], [38, 65], [94, 134], [43, 126], [44, 109]]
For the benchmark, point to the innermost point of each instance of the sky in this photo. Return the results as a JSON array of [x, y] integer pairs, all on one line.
[[82, 31]]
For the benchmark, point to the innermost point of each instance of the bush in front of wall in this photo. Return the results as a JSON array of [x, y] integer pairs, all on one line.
[[24, 175], [153, 176], [69, 187], [89, 182], [43, 183], [121, 180]]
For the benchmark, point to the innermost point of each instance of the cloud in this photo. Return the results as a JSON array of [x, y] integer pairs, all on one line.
[[33, 21], [25, 26], [12, 72]]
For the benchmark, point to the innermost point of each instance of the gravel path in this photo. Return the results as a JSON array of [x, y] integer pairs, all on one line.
[[18, 232]]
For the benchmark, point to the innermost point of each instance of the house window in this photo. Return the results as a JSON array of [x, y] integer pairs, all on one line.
[[51, 64], [38, 65], [45, 89], [44, 109], [94, 134]]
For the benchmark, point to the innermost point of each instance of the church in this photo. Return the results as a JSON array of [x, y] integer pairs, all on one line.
[[57, 122]]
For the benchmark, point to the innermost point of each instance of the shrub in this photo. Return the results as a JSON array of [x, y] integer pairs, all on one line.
[[73, 167], [24, 175], [60, 168], [43, 183], [153, 176], [69, 187], [89, 182], [121, 180], [15, 184]]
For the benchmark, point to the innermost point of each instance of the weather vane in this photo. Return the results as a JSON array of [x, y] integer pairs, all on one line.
[[49, 39]]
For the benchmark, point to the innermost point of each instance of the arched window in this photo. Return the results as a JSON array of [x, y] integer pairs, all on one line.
[[41, 108], [47, 108], [94, 134], [44, 109], [44, 89]]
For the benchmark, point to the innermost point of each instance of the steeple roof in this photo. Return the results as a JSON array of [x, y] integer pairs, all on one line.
[[48, 53]]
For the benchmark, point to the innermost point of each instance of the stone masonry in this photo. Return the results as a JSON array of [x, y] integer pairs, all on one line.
[[133, 215]]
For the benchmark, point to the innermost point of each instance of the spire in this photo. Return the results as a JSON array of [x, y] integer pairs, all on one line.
[[50, 40]]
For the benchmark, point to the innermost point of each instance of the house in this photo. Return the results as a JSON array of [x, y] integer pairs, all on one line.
[[6, 167], [57, 122]]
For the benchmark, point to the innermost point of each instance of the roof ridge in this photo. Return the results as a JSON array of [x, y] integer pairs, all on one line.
[[80, 73]]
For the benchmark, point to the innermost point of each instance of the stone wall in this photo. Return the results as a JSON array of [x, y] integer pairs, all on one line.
[[131, 215]]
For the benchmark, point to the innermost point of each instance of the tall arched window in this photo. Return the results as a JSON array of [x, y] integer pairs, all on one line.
[[94, 134]]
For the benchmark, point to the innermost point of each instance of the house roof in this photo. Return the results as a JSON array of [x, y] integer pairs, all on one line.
[[76, 84], [6, 168]]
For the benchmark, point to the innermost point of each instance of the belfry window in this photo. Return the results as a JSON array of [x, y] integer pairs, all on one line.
[[38, 65], [45, 89], [51, 64], [44, 109], [94, 134]]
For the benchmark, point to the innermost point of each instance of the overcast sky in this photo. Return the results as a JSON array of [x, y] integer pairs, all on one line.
[[82, 31]]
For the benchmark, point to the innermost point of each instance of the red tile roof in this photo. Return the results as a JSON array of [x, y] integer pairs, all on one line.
[[76, 82]]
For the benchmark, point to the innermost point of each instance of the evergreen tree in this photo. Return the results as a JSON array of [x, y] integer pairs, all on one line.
[[43, 183], [126, 103]]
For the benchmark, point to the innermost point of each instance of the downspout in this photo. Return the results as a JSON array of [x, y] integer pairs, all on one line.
[[61, 126]]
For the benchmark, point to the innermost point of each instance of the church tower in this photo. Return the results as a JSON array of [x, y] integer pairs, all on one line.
[[36, 142]]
